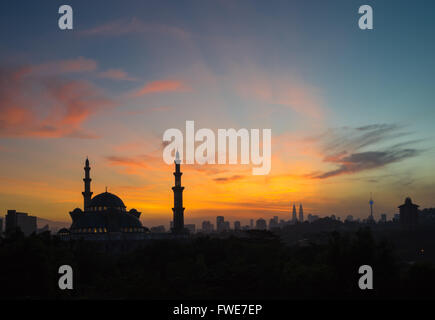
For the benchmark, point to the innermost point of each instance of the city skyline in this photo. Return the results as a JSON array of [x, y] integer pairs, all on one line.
[[350, 111], [221, 225]]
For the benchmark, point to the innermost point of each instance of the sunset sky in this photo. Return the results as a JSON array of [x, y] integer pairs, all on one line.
[[351, 111]]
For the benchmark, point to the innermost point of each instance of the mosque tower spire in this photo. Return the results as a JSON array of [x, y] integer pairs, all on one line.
[[178, 210], [87, 194]]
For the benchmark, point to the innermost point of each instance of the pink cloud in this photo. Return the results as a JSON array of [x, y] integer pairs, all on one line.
[[289, 93], [116, 74], [40, 106], [140, 165], [160, 86], [77, 65]]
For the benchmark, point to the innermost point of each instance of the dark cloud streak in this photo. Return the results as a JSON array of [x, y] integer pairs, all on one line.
[[346, 147]]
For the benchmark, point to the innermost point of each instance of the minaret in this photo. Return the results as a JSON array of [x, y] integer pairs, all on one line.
[[301, 213], [294, 218], [87, 194], [178, 223]]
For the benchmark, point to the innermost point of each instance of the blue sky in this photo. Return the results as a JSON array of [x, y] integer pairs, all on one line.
[[302, 68]]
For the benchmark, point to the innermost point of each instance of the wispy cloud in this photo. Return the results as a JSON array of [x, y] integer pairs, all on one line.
[[76, 65], [72, 66], [160, 86], [282, 91], [48, 105], [138, 165], [138, 162], [228, 179], [134, 26], [358, 149], [116, 74]]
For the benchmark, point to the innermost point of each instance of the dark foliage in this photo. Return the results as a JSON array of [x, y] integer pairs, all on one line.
[[259, 266]]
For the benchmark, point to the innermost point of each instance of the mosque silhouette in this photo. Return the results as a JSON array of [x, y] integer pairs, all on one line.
[[105, 216]]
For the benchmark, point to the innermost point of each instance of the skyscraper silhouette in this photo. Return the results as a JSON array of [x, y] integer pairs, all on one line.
[[220, 223], [294, 217], [301, 213], [178, 223], [409, 214], [87, 194]]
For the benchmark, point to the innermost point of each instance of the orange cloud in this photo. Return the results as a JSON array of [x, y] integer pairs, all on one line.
[[160, 86], [77, 65], [228, 179], [40, 106], [128, 162], [140, 165]]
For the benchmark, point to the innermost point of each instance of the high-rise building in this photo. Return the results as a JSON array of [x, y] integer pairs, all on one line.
[[349, 218], [294, 217], [311, 218], [260, 224], [273, 223], [190, 227], [301, 213], [383, 218], [20, 220], [220, 224], [226, 226], [207, 227], [158, 229], [178, 210], [408, 214], [237, 226], [251, 223]]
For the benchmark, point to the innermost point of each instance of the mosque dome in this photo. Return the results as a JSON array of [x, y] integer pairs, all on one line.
[[104, 217], [107, 200]]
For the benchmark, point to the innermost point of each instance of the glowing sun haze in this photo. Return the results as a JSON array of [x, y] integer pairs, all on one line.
[[351, 111]]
